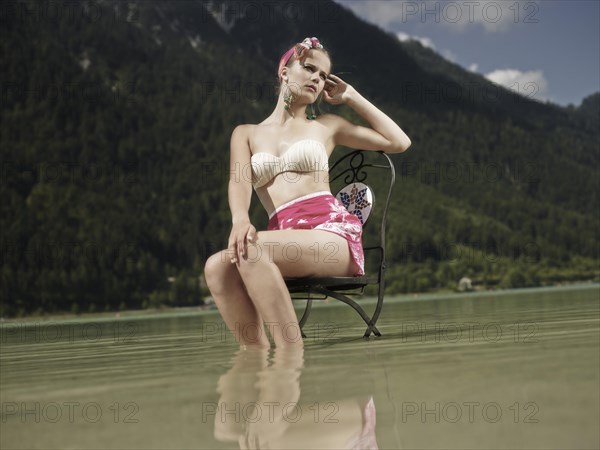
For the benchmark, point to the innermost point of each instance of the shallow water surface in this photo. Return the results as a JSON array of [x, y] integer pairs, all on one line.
[[516, 369]]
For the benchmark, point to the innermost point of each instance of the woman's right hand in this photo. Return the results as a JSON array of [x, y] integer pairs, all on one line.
[[241, 233]]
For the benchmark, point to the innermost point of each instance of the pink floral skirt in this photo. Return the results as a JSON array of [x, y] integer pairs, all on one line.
[[322, 211]]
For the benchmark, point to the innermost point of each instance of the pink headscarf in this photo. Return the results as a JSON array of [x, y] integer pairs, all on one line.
[[298, 51]]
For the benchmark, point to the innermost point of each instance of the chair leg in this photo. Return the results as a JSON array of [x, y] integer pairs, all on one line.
[[305, 315], [371, 326], [372, 329]]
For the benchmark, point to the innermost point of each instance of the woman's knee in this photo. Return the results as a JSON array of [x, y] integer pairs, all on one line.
[[215, 270]]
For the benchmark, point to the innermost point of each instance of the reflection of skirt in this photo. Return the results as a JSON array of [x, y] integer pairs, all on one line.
[[322, 211]]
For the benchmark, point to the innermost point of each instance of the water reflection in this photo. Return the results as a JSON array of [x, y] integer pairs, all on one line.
[[498, 371], [260, 406]]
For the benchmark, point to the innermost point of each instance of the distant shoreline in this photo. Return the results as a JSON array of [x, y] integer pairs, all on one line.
[[201, 310]]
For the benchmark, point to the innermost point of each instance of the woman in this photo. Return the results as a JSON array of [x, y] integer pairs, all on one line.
[[309, 232]]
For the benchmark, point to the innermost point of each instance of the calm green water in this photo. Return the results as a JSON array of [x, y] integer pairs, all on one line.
[[512, 370]]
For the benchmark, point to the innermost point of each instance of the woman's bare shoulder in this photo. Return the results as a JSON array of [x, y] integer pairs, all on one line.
[[244, 128]]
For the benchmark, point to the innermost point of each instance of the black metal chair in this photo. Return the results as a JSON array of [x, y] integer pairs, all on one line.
[[353, 169]]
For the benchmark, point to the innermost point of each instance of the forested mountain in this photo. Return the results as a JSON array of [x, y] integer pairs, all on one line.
[[116, 119]]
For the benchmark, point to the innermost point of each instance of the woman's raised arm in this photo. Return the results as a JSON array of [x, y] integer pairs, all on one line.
[[385, 135]]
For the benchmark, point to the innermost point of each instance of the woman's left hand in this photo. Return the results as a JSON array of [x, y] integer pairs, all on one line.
[[336, 90]]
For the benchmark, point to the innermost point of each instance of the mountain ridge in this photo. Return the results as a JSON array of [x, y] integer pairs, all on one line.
[[115, 143]]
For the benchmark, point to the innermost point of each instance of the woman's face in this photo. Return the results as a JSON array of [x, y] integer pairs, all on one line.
[[307, 77]]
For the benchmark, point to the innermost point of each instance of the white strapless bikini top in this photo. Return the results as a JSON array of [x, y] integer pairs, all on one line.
[[306, 155]]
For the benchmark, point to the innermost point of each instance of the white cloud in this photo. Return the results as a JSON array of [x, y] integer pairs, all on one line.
[[531, 84], [425, 41], [493, 15], [449, 56], [474, 67], [380, 12]]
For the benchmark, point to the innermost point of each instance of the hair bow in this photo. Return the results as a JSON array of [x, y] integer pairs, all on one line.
[[312, 42]]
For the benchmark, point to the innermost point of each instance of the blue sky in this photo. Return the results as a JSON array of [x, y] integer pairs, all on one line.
[[544, 49]]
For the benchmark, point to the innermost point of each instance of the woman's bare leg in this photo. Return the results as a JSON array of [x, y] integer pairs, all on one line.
[[289, 253], [236, 307], [253, 292]]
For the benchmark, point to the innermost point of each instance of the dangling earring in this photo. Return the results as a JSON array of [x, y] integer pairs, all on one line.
[[312, 115], [313, 106], [288, 99]]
